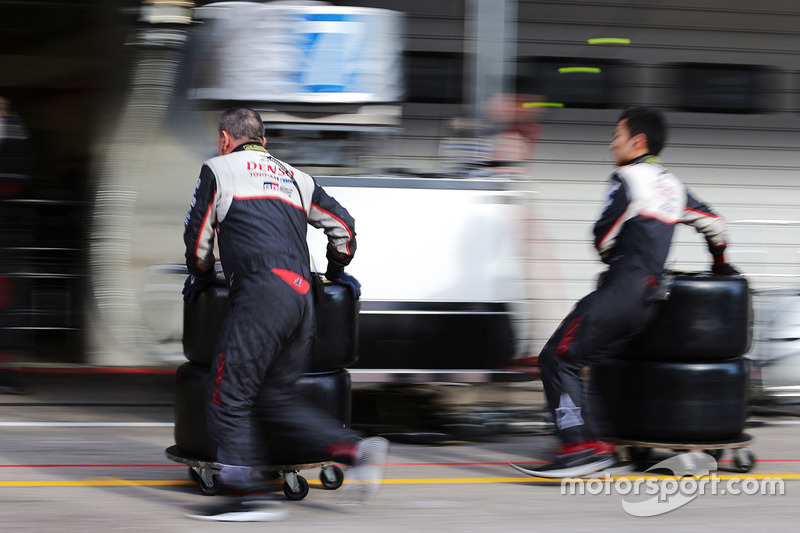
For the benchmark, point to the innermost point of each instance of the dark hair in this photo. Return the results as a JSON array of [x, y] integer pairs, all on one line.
[[649, 122], [242, 123]]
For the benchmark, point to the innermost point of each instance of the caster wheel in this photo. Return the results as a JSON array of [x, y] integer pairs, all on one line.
[[716, 454], [331, 477], [640, 454], [743, 460], [205, 488], [300, 493]]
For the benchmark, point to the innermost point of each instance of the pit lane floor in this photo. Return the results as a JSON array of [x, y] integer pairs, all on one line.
[[92, 464]]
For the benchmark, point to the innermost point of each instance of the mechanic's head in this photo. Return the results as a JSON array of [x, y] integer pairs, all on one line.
[[239, 125], [639, 131]]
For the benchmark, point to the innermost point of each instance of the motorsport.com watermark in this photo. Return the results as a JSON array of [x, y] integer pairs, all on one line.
[[693, 476]]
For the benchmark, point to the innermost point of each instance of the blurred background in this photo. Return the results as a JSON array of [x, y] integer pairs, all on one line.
[[467, 137]]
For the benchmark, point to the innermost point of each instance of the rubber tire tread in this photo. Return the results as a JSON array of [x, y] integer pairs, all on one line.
[[671, 401]]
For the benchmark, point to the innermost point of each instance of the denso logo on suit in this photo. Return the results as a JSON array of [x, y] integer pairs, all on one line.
[[265, 167]]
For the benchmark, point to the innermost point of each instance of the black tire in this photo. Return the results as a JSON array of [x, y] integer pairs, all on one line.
[[202, 321], [328, 391], [672, 401], [706, 318], [337, 328], [298, 495], [191, 433], [335, 337], [338, 475]]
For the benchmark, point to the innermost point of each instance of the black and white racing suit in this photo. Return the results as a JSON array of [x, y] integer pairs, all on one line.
[[633, 236], [259, 208]]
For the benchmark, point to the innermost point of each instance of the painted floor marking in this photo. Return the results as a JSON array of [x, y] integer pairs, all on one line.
[[172, 465], [110, 482], [87, 424]]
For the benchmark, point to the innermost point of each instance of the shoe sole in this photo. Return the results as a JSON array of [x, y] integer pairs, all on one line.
[[369, 475], [569, 472]]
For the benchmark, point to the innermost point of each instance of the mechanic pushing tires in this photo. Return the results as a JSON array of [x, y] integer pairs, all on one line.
[[326, 385]]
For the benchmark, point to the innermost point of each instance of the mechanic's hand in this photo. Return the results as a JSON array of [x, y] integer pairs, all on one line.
[[194, 286], [724, 269], [340, 277]]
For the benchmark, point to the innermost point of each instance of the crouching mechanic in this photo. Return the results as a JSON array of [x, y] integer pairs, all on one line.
[[633, 236], [259, 208]]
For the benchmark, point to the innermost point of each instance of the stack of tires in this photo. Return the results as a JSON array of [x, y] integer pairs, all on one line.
[[684, 379], [326, 383]]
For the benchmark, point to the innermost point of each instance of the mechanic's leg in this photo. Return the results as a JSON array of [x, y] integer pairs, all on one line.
[[309, 429], [283, 411], [638, 315], [592, 324], [253, 329], [598, 326], [561, 363]]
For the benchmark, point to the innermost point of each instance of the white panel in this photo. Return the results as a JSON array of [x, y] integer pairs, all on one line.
[[430, 244]]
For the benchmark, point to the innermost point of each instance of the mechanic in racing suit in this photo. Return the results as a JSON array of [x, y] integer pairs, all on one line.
[[633, 236], [259, 207]]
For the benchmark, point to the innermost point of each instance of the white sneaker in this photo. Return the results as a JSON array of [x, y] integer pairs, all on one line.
[[245, 511], [369, 466]]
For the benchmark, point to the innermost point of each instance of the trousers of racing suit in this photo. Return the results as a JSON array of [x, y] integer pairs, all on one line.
[[597, 326], [261, 353]]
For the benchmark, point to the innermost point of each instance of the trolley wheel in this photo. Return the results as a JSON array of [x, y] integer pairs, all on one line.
[[331, 477], [743, 460], [300, 493], [716, 453], [208, 490], [640, 453]]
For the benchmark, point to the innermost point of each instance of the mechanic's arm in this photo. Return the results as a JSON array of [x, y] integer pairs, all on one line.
[[612, 219], [712, 226], [326, 213], [200, 225]]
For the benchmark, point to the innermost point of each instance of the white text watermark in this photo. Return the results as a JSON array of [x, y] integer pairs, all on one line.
[[693, 476]]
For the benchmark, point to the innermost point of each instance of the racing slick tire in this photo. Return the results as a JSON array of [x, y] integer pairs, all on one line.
[[705, 318], [669, 401]]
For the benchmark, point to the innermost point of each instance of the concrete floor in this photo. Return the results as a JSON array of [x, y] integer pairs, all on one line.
[[76, 460]]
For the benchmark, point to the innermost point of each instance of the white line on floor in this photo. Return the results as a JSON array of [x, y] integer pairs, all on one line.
[[88, 424]]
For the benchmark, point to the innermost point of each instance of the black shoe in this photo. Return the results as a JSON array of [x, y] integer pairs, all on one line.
[[242, 510], [576, 460], [583, 464]]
